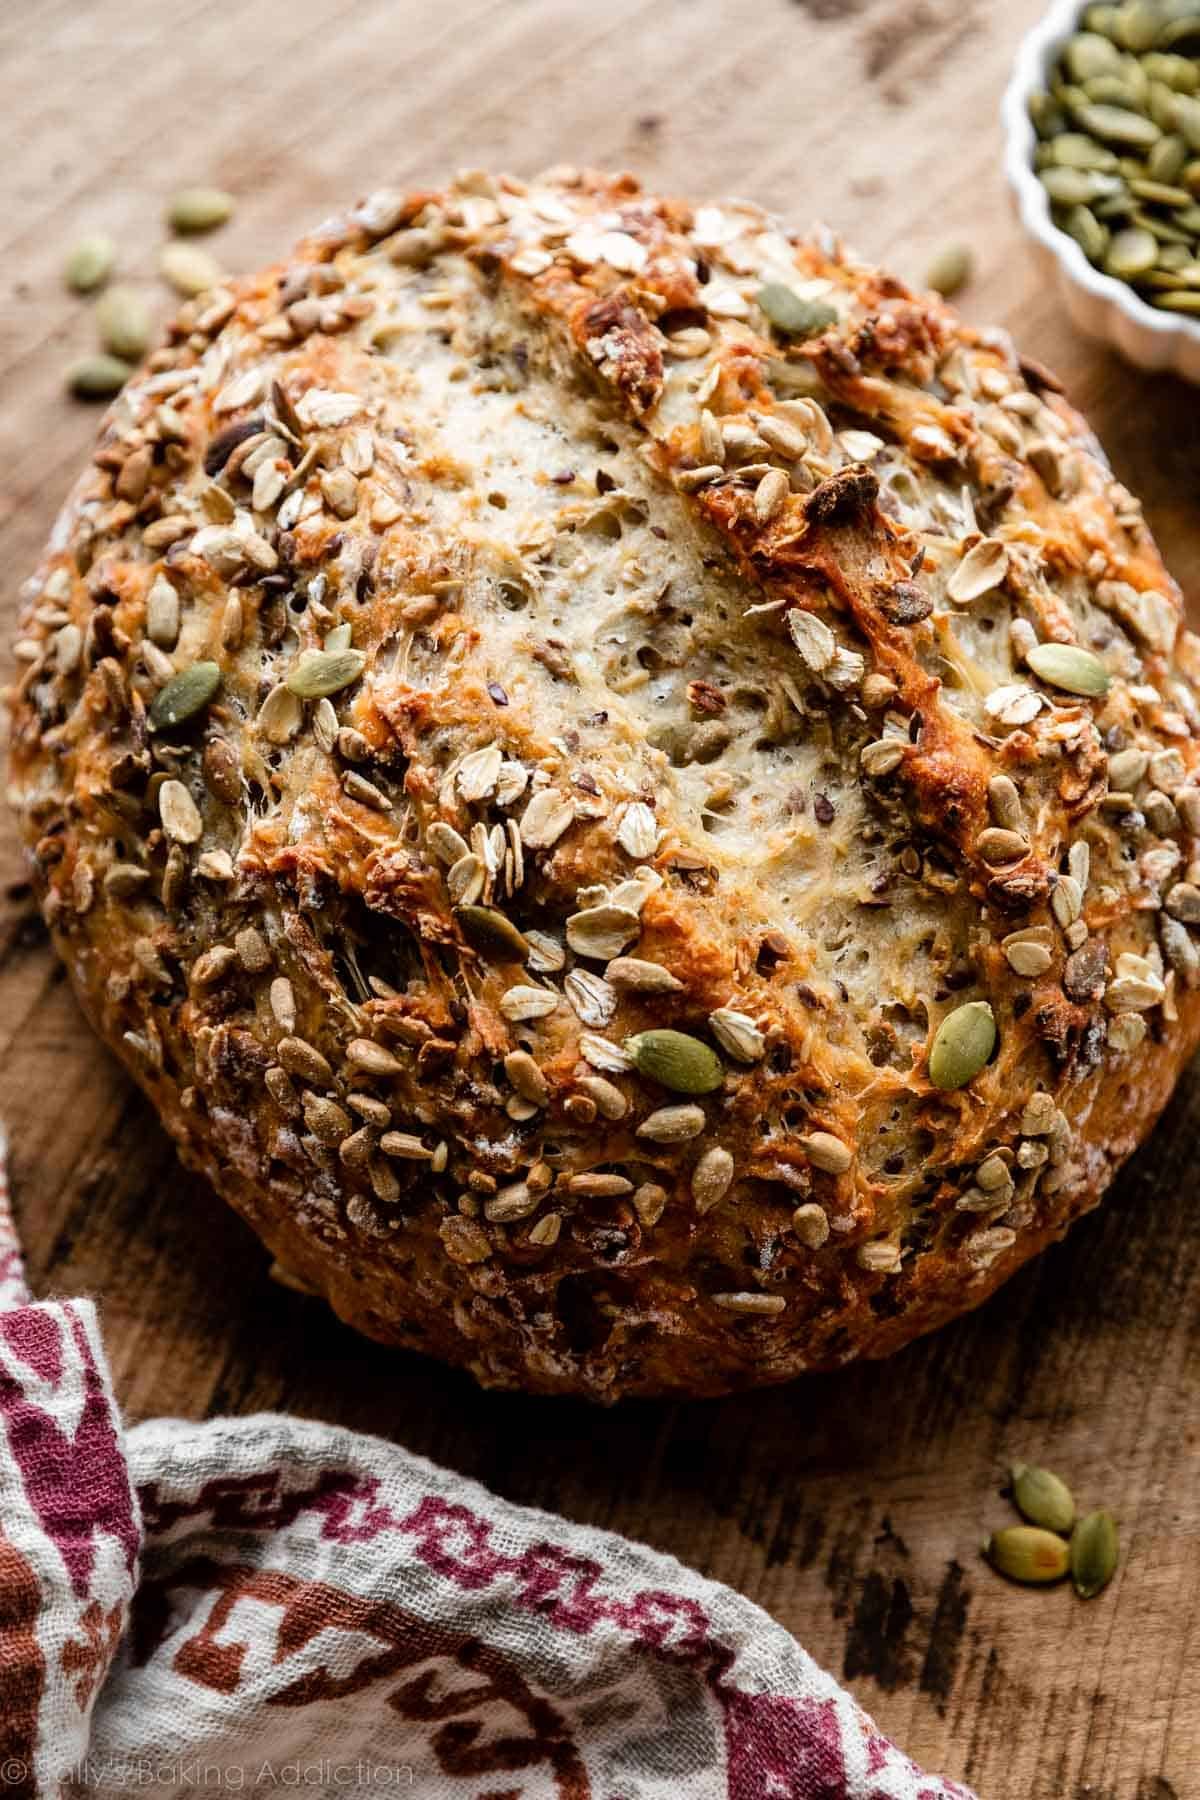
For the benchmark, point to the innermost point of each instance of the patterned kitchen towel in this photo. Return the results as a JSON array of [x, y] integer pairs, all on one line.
[[270, 1603]]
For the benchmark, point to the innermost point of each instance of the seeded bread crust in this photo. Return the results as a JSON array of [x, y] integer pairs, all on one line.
[[681, 575]]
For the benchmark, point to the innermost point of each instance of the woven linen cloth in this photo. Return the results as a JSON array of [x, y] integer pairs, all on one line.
[[267, 1603]]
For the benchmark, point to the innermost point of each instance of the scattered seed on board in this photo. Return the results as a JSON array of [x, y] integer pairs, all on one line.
[[123, 322], [199, 209], [1094, 1554], [188, 269], [90, 262], [949, 269], [1043, 1498], [1028, 1554], [97, 377]]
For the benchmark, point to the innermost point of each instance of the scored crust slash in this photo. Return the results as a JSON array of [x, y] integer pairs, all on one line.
[[627, 786]]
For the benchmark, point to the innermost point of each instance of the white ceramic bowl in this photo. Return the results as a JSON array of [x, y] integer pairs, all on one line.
[[1096, 304]]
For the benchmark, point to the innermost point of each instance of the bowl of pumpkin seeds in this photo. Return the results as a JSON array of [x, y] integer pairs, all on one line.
[[1102, 118]]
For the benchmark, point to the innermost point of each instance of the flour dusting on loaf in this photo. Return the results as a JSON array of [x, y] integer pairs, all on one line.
[[627, 786]]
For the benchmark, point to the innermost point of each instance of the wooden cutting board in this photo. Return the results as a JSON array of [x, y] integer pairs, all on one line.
[[850, 1507]]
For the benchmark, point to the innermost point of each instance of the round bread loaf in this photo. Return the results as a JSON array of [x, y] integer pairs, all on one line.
[[624, 784]]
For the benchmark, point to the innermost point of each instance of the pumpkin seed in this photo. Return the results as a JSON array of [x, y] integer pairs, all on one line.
[[1087, 54], [189, 269], [1137, 24], [1187, 119], [90, 262], [1028, 1554], [1094, 1553], [793, 315], [494, 936], [962, 1045], [123, 321], [1068, 667], [1080, 187], [1092, 237], [684, 1064], [321, 672], [1117, 125], [97, 377], [1043, 1498], [949, 270], [1178, 72], [1075, 150], [199, 209], [1180, 300], [1131, 253], [1166, 161], [184, 696]]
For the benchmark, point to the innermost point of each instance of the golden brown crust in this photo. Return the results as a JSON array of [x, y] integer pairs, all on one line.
[[684, 684]]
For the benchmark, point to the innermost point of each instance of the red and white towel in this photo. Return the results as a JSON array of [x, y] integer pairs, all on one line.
[[266, 1603]]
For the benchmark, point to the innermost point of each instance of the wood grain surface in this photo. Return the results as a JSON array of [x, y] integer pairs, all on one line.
[[850, 1507]]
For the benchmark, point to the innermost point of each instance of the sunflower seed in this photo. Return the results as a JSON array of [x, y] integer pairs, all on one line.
[[302, 1059], [1027, 955], [881, 757], [526, 1077], [1094, 1554], [751, 1303], [185, 695], [712, 1178], [1183, 903], [90, 262], [737, 1035], [827, 1152], [609, 1101], [999, 848], [631, 975], [770, 494], [1043, 1498], [880, 1258], [1028, 1554], [962, 1045], [676, 1060], [510, 1203], [811, 1225], [672, 1124], [179, 813], [1068, 667]]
